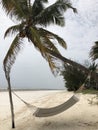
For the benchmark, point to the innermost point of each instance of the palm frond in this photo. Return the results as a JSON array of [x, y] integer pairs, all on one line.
[[38, 7], [7, 5], [52, 61], [36, 39], [45, 40], [10, 57], [20, 10], [13, 29], [94, 51], [42, 44], [16, 8], [51, 35], [54, 13], [49, 44]]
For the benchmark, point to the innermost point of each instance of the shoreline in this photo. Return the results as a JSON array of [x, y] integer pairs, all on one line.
[[5, 90]]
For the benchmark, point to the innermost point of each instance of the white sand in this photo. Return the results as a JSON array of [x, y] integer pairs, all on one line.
[[82, 116]]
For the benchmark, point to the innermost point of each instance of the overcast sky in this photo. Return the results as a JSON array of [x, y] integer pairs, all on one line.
[[30, 69]]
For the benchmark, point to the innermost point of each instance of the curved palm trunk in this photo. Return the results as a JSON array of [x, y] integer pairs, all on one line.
[[73, 63], [65, 60], [11, 102]]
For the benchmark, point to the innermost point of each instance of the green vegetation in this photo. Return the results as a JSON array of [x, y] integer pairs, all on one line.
[[75, 77], [90, 91]]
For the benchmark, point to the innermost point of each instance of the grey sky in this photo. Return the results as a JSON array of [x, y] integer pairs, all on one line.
[[30, 69]]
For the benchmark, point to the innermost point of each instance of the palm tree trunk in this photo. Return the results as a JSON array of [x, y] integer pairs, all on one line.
[[73, 63], [11, 102], [65, 60]]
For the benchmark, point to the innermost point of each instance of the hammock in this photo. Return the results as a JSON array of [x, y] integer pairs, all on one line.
[[45, 112]]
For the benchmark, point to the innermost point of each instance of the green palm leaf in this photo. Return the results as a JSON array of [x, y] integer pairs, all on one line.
[[35, 38], [48, 44], [94, 51], [51, 35], [20, 9], [38, 7], [13, 29], [13, 51], [7, 5], [52, 61], [42, 43], [54, 13], [16, 8]]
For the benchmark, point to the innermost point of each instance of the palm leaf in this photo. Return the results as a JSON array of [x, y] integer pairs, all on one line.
[[13, 29], [45, 40], [49, 44], [38, 7], [16, 8], [42, 46], [36, 40], [20, 10], [13, 51], [51, 35], [94, 51], [54, 13], [7, 5], [52, 61]]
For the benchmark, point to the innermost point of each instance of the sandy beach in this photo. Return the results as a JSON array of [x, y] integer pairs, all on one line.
[[82, 116]]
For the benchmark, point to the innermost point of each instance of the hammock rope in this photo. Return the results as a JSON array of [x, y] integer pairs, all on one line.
[[26, 103]]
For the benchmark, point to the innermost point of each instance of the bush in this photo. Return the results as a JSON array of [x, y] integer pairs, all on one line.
[[73, 77]]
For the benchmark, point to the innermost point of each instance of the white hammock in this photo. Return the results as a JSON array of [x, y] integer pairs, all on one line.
[[45, 112]]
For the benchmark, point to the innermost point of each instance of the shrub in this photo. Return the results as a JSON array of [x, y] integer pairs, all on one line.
[[73, 77]]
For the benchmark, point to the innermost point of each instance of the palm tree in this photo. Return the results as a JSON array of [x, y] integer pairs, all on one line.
[[33, 18]]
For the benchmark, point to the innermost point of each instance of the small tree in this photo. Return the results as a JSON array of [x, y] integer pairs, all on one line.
[[73, 77]]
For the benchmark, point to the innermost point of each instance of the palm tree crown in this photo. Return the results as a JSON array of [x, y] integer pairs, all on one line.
[[31, 17]]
